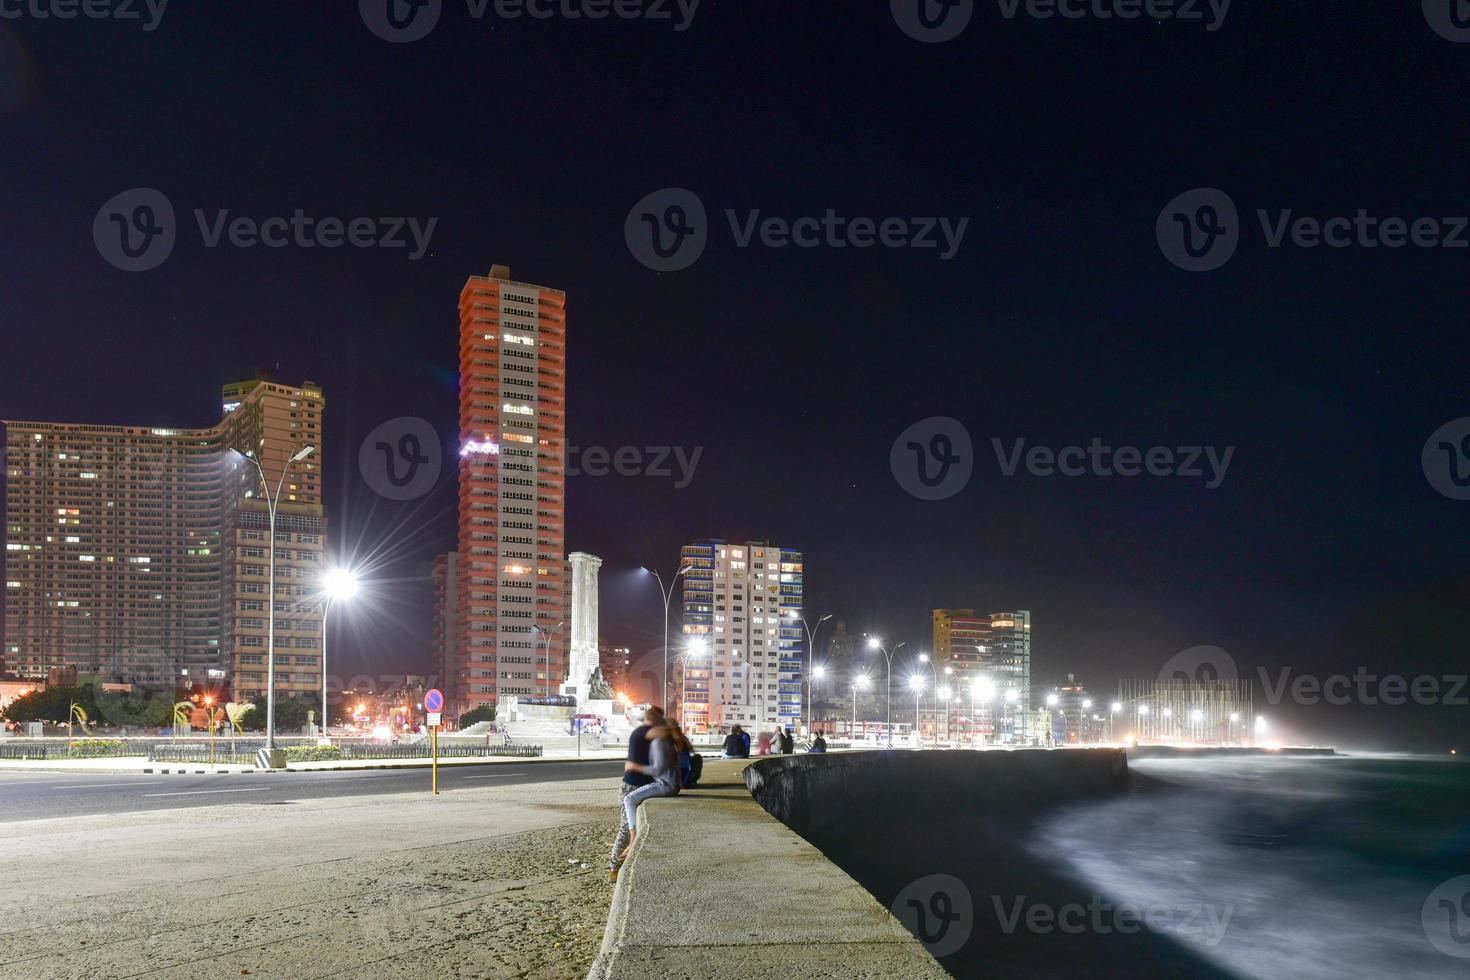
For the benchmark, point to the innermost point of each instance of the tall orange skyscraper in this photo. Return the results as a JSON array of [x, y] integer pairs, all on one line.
[[511, 612]]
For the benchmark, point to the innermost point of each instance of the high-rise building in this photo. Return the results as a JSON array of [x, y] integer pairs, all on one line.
[[740, 661], [512, 541], [998, 647], [445, 575], [140, 554]]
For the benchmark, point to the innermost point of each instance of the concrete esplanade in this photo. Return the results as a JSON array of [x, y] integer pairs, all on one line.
[[723, 881]]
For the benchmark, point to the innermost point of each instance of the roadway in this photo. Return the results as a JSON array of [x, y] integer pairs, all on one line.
[[41, 796]]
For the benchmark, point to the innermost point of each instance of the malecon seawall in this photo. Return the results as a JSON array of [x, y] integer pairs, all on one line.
[[950, 834]]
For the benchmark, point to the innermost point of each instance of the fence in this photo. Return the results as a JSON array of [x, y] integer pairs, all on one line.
[[80, 749], [244, 754]]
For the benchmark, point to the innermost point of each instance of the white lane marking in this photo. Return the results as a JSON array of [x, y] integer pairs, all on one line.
[[202, 792], [149, 782], [496, 775]]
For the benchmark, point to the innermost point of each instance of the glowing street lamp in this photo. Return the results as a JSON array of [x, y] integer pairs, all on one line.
[[338, 584], [695, 648], [916, 684], [811, 649], [275, 757], [874, 643], [858, 680], [668, 595]]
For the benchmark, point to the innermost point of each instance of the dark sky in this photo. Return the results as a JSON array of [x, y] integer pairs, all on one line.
[[1059, 320]]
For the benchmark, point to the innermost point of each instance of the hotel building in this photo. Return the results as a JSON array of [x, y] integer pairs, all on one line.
[[740, 659], [139, 554], [995, 645], [512, 539]]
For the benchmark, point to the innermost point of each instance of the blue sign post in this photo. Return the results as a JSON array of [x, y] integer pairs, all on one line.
[[433, 704]]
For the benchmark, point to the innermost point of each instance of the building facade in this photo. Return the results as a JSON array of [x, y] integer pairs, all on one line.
[[512, 541], [740, 660], [140, 554], [995, 647]]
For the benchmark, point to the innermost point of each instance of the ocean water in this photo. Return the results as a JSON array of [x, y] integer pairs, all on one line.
[[1300, 868]]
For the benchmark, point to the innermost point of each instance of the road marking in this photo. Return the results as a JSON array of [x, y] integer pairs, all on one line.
[[150, 782], [202, 792], [496, 775]]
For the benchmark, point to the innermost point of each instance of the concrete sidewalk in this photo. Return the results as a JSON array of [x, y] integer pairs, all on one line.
[[717, 889]]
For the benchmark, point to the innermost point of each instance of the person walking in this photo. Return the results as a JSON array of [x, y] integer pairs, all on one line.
[[763, 743], [639, 754], [788, 743], [662, 769]]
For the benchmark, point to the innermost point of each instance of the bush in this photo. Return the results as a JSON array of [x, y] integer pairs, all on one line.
[[313, 753], [96, 748], [474, 716]]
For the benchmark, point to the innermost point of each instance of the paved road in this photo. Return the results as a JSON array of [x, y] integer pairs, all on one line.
[[34, 796]]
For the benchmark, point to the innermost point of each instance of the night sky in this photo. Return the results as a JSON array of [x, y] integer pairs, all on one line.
[[1059, 320]]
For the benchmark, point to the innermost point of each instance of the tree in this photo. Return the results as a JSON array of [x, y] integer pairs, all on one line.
[[485, 712], [52, 704], [290, 714], [142, 709]]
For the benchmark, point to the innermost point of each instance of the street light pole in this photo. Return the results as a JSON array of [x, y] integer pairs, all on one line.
[[811, 645], [668, 595], [546, 649], [338, 584], [876, 644], [274, 757]]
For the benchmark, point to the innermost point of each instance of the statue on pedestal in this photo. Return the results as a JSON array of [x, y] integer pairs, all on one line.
[[598, 689]]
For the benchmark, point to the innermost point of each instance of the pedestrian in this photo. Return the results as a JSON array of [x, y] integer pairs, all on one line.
[[788, 743], [639, 752], [662, 769], [684, 752], [737, 744], [763, 743], [819, 744]]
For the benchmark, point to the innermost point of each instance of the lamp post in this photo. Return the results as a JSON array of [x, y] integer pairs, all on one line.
[[811, 645], [874, 643], [1012, 697], [338, 583], [859, 680], [546, 636], [275, 758], [934, 676], [1113, 709], [819, 671], [668, 595], [916, 684]]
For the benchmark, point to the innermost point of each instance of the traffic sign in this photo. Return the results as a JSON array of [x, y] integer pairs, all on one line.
[[434, 700]]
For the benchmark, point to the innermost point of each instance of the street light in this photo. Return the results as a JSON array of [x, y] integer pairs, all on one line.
[[858, 680], [982, 690], [916, 684], [546, 636], [668, 595], [274, 756], [944, 692], [811, 646], [876, 644], [339, 583]]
